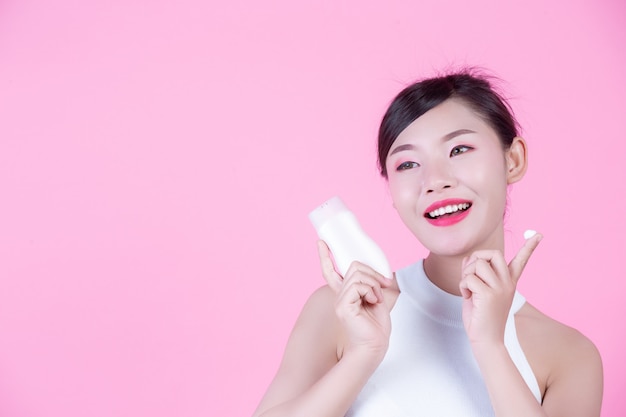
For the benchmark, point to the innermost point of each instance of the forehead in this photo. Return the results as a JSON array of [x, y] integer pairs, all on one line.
[[449, 116]]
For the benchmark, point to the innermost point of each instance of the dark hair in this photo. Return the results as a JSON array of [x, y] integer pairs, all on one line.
[[469, 86]]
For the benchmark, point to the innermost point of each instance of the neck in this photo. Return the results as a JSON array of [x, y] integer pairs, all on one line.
[[445, 270]]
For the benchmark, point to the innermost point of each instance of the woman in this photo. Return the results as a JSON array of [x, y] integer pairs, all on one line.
[[464, 342]]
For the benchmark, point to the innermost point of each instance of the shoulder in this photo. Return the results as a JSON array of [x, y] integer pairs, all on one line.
[[310, 352], [318, 313], [312, 346], [321, 302], [562, 357], [550, 335]]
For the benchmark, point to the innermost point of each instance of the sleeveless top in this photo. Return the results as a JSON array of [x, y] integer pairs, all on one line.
[[429, 368]]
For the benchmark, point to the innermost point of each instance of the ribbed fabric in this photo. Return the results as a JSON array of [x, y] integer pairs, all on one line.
[[429, 368]]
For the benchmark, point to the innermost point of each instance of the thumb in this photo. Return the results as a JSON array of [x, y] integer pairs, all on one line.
[[332, 277], [518, 263]]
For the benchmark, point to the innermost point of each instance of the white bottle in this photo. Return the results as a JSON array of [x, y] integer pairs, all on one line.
[[339, 228]]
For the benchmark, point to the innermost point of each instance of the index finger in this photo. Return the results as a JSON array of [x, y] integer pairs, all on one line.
[[518, 263], [332, 277]]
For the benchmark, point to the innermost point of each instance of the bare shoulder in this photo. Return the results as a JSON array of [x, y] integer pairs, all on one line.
[[535, 326], [317, 321], [321, 301], [310, 352], [563, 359]]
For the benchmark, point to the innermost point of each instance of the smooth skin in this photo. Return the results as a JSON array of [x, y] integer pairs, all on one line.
[[342, 333]]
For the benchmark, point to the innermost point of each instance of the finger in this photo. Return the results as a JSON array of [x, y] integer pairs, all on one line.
[[518, 263], [485, 272], [474, 284], [358, 267], [359, 277], [494, 257], [334, 280], [463, 287], [471, 284], [494, 260], [357, 293]]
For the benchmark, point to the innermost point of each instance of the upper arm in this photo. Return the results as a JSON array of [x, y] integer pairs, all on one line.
[[576, 384], [310, 352]]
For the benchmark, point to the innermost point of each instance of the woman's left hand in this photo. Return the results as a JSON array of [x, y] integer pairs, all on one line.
[[488, 286]]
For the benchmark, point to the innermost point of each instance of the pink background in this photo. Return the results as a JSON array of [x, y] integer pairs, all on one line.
[[158, 161]]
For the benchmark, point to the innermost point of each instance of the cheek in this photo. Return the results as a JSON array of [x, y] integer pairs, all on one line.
[[492, 177], [403, 192], [493, 186]]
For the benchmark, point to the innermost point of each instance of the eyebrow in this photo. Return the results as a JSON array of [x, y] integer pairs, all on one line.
[[445, 138]]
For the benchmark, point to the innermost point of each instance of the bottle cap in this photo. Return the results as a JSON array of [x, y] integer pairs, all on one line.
[[326, 210]]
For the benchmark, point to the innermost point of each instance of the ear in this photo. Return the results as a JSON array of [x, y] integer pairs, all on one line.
[[516, 160]]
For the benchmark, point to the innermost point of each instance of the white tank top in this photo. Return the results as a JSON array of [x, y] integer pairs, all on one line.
[[429, 368]]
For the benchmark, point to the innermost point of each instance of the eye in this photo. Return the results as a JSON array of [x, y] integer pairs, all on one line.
[[457, 150], [407, 165]]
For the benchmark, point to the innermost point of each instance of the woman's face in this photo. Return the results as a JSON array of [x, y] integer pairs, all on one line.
[[448, 177]]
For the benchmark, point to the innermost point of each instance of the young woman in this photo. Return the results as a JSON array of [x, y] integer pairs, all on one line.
[[448, 335]]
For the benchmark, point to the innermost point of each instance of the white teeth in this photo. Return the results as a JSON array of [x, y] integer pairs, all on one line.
[[448, 209]]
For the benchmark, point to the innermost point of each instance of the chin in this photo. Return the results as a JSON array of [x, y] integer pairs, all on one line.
[[450, 252], [448, 247]]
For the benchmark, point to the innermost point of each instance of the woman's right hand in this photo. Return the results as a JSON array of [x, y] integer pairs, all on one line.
[[359, 305]]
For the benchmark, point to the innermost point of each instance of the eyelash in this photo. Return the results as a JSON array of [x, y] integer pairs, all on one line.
[[457, 150], [407, 165], [464, 147]]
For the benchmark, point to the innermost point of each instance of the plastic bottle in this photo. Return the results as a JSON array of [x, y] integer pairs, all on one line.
[[339, 228]]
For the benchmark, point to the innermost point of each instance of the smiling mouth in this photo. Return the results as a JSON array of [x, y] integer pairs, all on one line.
[[446, 211]]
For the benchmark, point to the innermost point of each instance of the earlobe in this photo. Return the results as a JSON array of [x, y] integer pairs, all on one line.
[[516, 160]]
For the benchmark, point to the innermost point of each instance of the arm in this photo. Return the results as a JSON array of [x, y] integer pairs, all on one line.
[[315, 378], [311, 381], [576, 383], [574, 388], [572, 363]]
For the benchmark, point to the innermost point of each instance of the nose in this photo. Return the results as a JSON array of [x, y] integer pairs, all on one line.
[[437, 177]]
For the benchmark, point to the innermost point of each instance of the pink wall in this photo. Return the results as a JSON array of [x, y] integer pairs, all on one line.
[[158, 161]]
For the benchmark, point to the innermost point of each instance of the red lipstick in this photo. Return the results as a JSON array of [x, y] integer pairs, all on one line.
[[447, 212]]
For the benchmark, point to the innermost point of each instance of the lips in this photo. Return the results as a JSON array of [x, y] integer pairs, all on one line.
[[447, 212]]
